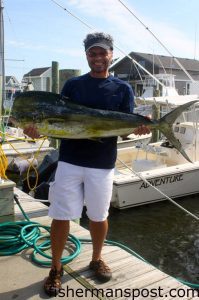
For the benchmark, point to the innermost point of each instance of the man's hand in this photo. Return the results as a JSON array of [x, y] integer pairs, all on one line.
[[31, 131], [142, 129]]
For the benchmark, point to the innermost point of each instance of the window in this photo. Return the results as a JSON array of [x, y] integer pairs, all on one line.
[[142, 63], [182, 130], [176, 129]]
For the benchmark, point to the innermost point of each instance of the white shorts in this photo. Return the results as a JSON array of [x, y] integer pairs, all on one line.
[[75, 186]]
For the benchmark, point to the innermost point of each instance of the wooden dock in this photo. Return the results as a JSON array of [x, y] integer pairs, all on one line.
[[132, 278]]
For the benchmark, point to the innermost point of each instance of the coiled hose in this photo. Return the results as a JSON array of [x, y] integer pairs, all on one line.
[[19, 235]]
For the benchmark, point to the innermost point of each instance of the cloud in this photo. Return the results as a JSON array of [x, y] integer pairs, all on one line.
[[128, 33], [24, 45], [73, 52], [63, 39]]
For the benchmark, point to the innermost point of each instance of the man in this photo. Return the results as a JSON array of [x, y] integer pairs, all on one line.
[[85, 168]]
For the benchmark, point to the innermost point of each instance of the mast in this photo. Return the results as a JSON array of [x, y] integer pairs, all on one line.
[[2, 66]]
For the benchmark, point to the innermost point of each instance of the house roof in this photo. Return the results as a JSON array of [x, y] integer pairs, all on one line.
[[8, 78], [11, 77], [37, 72], [167, 62]]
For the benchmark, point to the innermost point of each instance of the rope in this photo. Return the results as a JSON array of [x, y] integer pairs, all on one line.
[[3, 158], [31, 164], [158, 40], [2, 132], [20, 138], [3, 163], [31, 167]]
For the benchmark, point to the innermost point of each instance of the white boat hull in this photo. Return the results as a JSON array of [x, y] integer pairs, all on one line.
[[175, 181], [134, 140], [162, 165]]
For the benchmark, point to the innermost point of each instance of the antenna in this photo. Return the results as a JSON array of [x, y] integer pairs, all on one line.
[[158, 40], [195, 42]]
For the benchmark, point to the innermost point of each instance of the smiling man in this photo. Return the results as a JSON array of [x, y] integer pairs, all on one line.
[[85, 168], [99, 56]]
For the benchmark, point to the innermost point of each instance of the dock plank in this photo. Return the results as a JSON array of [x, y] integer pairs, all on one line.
[[163, 286], [129, 272], [32, 207]]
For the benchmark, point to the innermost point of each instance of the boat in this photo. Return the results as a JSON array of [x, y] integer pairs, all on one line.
[[164, 96], [133, 140], [22, 151], [145, 174]]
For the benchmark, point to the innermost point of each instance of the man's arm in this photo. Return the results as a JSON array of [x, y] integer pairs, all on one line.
[[142, 129], [128, 106]]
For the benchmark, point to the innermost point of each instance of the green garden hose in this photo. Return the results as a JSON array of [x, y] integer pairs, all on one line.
[[17, 236]]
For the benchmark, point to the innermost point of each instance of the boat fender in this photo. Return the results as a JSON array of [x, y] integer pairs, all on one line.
[[22, 166]]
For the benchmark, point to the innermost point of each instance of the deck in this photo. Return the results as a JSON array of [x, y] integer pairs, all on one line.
[[132, 278]]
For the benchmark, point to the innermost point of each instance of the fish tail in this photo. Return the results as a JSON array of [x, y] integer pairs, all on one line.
[[166, 126]]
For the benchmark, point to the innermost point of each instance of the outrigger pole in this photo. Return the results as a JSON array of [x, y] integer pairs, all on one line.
[[2, 66]]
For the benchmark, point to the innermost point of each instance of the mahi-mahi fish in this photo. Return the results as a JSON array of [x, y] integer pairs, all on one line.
[[58, 117]]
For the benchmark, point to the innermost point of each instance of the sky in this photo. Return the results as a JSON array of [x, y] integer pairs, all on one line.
[[38, 32]]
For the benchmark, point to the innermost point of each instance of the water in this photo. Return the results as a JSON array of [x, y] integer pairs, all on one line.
[[163, 234]]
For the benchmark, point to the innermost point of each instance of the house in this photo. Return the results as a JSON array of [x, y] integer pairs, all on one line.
[[12, 86], [41, 78], [159, 65]]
